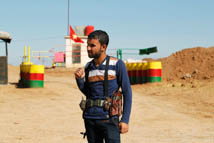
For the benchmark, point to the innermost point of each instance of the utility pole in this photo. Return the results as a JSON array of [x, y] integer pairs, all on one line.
[[68, 17]]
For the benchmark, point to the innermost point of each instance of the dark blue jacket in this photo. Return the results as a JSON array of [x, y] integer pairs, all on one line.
[[118, 77]]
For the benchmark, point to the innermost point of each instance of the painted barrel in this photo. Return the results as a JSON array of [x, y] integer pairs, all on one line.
[[154, 71], [144, 72], [21, 81], [31, 76], [24, 68], [36, 83], [128, 70], [139, 73], [133, 73], [21, 72], [128, 67], [36, 76]]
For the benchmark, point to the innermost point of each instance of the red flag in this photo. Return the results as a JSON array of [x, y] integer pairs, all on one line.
[[74, 37]]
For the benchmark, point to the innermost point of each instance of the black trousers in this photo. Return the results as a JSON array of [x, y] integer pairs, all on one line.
[[99, 130]]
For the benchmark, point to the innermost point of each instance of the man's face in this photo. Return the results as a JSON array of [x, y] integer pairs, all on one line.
[[94, 48]]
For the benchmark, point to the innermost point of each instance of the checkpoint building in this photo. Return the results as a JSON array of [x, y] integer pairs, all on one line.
[[5, 38], [76, 53]]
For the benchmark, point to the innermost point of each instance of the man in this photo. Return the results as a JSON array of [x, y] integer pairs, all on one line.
[[98, 122]]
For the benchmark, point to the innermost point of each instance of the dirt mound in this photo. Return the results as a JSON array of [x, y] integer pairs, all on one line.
[[194, 63]]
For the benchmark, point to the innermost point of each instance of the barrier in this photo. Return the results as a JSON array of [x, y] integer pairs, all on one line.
[[128, 67], [36, 76], [154, 71], [139, 73], [143, 72], [31, 76]]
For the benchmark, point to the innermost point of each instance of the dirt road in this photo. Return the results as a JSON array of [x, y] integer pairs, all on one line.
[[161, 113]]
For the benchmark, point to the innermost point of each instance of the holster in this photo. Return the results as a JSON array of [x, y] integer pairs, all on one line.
[[82, 104], [116, 104], [112, 104]]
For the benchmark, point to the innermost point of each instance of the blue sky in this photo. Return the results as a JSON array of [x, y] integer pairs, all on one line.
[[171, 25]]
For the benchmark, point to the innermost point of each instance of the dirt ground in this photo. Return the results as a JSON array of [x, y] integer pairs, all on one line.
[[173, 111]]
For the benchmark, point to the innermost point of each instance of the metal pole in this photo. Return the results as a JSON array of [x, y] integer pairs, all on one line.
[[28, 54], [6, 49], [68, 17], [25, 54], [6, 80], [120, 52]]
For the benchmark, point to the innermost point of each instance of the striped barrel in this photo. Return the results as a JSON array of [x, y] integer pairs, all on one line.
[[133, 73], [36, 76], [139, 73], [24, 68], [128, 70], [130, 65], [31, 75], [144, 72], [154, 71]]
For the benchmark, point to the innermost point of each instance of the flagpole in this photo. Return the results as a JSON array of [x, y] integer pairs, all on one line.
[[68, 17]]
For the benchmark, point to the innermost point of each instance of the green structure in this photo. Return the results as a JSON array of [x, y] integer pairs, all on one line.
[[148, 51], [145, 51], [119, 54]]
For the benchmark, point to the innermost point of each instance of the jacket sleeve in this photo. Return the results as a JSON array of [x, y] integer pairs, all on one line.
[[81, 82], [124, 83], [81, 85]]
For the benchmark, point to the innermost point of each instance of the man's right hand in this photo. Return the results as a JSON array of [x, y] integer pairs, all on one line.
[[80, 73], [124, 127]]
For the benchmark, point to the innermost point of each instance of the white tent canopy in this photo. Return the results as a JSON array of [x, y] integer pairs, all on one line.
[[5, 36]]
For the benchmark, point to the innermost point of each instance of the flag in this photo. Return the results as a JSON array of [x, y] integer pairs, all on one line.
[[74, 37]]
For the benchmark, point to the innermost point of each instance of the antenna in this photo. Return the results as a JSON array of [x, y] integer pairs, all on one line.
[[68, 17]]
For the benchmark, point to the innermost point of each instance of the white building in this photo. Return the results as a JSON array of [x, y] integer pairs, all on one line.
[[76, 53]]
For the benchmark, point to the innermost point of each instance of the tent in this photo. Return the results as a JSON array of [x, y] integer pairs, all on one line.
[[5, 36]]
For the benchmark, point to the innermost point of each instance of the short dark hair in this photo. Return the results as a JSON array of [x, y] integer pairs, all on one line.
[[100, 35]]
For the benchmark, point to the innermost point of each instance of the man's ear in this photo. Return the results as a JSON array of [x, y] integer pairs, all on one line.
[[103, 48]]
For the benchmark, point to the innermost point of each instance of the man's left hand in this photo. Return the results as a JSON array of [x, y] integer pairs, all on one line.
[[123, 127]]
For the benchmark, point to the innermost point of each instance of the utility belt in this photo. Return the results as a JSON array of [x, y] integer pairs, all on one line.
[[97, 102], [84, 104], [112, 104]]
